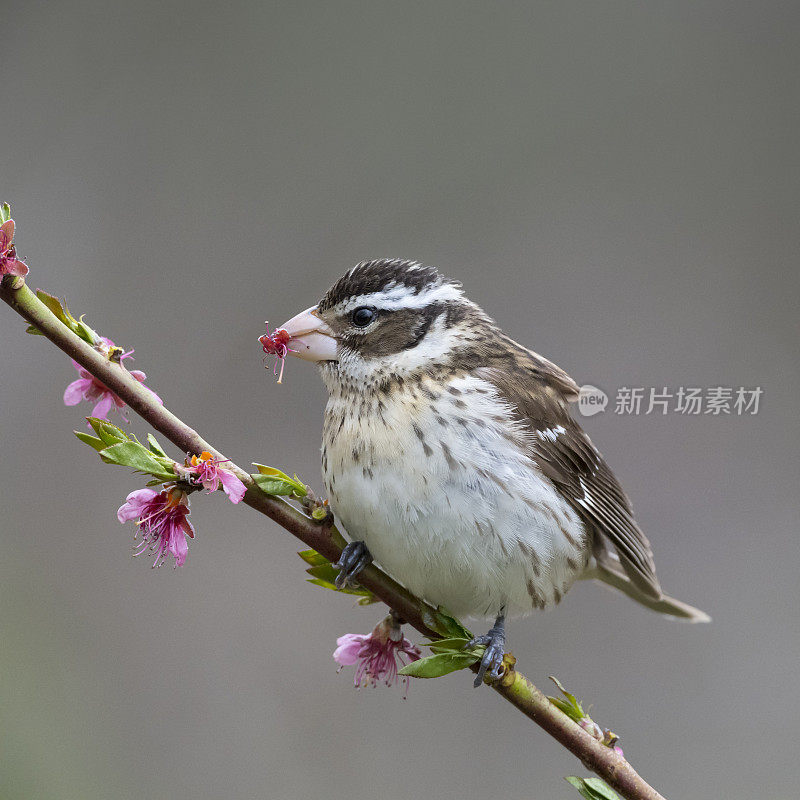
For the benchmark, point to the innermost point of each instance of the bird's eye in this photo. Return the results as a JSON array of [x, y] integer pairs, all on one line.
[[363, 316]]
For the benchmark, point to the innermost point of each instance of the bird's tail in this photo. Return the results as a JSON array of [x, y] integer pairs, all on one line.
[[608, 570]]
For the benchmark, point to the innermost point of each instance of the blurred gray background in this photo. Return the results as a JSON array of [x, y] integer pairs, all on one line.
[[616, 182]]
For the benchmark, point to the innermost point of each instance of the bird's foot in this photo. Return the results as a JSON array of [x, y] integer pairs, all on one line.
[[354, 558], [492, 659]]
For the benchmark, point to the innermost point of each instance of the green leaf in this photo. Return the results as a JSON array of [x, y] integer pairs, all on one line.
[[455, 644], [155, 447], [325, 571], [444, 624], [593, 788], [571, 707], [62, 313], [54, 304], [437, 665], [323, 584], [95, 423], [272, 485], [562, 706], [358, 592], [324, 574], [79, 327], [5, 213], [137, 457], [273, 481], [108, 436], [108, 432], [263, 469], [313, 558], [85, 332], [92, 441]]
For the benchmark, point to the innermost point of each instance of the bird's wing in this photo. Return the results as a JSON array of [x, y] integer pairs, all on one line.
[[535, 368], [568, 458]]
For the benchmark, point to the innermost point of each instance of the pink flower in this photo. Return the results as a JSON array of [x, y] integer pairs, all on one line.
[[276, 344], [89, 388], [206, 470], [9, 263], [161, 518], [376, 654]]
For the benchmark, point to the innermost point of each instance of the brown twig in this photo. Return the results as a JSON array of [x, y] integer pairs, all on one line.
[[325, 539]]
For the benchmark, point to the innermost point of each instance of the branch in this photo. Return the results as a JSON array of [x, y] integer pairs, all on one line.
[[325, 539]]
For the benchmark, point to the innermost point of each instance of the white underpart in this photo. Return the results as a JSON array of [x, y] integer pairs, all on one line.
[[455, 525], [397, 296]]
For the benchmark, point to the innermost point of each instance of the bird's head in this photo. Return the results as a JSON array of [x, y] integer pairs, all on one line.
[[385, 318]]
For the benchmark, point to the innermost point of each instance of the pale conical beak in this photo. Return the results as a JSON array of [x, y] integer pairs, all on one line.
[[311, 338]]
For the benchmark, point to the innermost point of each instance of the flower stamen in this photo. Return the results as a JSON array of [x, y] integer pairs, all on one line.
[[205, 470], [276, 344]]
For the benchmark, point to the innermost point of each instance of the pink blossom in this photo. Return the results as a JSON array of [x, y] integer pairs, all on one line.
[[276, 344], [161, 518], [9, 263], [206, 470], [376, 654], [89, 388]]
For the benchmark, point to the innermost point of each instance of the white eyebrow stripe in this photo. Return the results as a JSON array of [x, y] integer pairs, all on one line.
[[401, 296]]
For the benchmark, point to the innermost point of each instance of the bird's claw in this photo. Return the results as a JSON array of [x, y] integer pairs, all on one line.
[[492, 659], [354, 558]]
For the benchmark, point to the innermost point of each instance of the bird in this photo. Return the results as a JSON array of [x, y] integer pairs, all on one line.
[[451, 458]]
